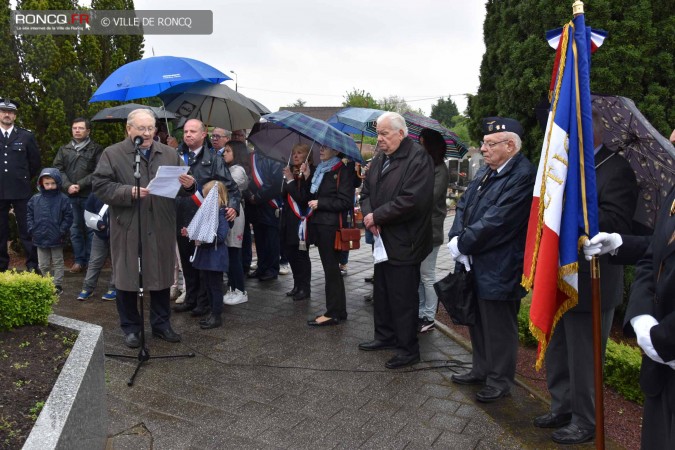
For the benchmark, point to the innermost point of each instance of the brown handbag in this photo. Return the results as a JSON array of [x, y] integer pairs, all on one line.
[[346, 238]]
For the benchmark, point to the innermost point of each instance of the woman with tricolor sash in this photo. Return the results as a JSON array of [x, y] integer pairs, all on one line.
[[294, 222]]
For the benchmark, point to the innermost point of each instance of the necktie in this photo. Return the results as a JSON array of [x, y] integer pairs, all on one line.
[[486, 178], [191, 158], [147, 154], [6, 135], [385, 166]]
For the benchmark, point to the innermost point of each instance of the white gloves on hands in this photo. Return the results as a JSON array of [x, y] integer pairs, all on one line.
[[642, 325], [457, 256], [602, 243]]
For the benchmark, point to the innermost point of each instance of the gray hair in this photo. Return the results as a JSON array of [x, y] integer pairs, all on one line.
[[396, 121], [137, 112], [517, 142], [202, 127]]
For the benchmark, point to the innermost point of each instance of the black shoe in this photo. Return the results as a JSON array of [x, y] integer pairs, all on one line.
[[400, 361], [132, 340], [292, 292], [572, 434], [467, 378], [490, 394], [184, 307], [375, 345], [368, 297], [425, 325], [213, 321], [368, 279], [167, 334], [325, 323], [267, 276], [301, 294], [199, 311], [552, 420], [253, 274]]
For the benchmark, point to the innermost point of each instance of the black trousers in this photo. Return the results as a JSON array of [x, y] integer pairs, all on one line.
[[195, 290], [20, 212], [396, 301], [336, 299], [301, 267], [213, 281], [130, 318], [267, 242]]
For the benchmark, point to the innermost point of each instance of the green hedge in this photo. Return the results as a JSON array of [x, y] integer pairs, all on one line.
[[25, 299], [622, 362]]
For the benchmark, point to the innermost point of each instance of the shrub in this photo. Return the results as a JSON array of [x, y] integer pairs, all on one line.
[[622, 370], [25, 299]]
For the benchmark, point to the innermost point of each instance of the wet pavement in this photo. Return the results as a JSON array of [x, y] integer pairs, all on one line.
[[267, 380]]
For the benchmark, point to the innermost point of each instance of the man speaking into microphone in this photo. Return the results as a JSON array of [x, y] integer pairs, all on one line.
[[114, 183]]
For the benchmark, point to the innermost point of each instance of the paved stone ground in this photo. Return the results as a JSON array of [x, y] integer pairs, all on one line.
[[267, 380]]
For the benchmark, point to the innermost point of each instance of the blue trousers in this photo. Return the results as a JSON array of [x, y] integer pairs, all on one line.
[[80, 233]]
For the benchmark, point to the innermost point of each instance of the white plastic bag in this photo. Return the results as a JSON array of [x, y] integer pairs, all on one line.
[[379, 252]]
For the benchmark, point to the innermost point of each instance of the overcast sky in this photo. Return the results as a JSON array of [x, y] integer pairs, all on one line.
[[318, 50]]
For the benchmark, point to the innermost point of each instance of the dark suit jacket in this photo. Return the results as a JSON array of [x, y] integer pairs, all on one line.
[[19, 161], [617, 197], [653, 293]]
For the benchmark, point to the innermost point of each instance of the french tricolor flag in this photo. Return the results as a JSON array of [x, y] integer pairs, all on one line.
[[564, 204]]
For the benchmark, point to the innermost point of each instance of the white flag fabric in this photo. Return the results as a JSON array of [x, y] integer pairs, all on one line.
[[204, 225]]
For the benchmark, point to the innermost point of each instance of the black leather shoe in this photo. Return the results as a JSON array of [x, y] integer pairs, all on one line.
[[167, 334], [375, 345], [292, 292], [267, 276], [490, 394], [132, 340], [213, 321], [253, 274], [368, 279], [552, 420], [301, 295], [184, 307], [198, 312], [400, 361], [325, 323], [572, 434], [467, 378]]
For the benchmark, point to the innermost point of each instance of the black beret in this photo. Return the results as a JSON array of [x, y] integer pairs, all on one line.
[[493, 125]]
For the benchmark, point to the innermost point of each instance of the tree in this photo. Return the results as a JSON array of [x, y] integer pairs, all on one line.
[[299, 103], [445, 111], [53, 76], [394, 103], [635, 61], [360, 98]]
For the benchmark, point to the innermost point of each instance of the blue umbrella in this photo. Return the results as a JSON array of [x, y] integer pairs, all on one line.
[[356, 120], [148, 77], [317, 130]]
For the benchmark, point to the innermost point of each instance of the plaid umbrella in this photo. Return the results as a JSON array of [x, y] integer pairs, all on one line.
[[204, 225], [317, 130], [454, 147], [650, 155]]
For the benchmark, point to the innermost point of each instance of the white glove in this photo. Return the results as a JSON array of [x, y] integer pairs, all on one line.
[[642, 325], [602, 243], [464, 260], [454, 249]]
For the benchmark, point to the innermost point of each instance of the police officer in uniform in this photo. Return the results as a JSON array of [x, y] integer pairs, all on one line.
[[19, 163]]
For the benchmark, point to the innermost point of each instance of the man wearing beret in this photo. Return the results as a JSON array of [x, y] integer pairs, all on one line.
[[488, 236], [19, 163]]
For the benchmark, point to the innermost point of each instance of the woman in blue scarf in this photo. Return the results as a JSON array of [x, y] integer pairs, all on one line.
[[331, 194]]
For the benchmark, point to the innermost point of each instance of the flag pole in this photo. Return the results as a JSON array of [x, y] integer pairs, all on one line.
[[597, 354]]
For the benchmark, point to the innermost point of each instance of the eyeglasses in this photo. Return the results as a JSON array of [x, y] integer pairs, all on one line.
[[144, 129], [491, 145], [216, 136]]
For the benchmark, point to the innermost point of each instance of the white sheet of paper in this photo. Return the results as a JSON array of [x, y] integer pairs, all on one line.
[[165, 183]]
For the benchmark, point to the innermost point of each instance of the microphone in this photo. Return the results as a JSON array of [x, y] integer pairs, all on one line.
[[138, 140]]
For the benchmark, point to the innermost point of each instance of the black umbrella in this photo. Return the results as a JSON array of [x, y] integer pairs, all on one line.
[[120, 113], [651, 155]]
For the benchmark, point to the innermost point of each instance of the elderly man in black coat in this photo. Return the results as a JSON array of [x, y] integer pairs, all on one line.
[[489, 230], [396, 200]]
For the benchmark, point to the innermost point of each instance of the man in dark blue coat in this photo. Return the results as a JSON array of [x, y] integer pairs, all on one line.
[[489, 232], [19, 161]]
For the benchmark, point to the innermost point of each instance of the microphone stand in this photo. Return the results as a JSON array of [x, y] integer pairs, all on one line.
[[143, 353]]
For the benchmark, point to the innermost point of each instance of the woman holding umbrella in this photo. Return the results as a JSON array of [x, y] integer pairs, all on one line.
[[294, 221], [332, 195]]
